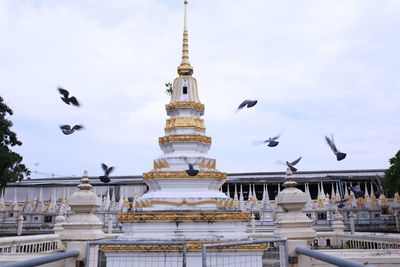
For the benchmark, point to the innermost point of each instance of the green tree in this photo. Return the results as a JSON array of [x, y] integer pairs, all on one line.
[[391, 182], [11, 168], [168, 89]]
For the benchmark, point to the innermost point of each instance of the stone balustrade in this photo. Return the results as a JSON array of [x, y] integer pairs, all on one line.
[[358, 240], [30, 244]]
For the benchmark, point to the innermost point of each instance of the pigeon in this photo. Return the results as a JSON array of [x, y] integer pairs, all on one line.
[[67, 130], [68, 100], [248, 103], [341, 203], [379, 187], [191, 171], [271, 142], [107, 171], [339, 155], [357, 191], [291, 164]]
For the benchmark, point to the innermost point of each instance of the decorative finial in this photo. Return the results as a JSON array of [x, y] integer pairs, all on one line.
[[185, 68], [289, 182], [85, 185]]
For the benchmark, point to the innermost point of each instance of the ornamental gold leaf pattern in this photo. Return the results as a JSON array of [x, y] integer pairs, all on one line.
[[185, 138], [192, 246], [184, 104], [215, 175], [185, 122], [233, 216]]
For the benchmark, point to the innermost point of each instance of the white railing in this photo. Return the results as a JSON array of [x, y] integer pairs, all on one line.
[[30, 244], [359, 240]]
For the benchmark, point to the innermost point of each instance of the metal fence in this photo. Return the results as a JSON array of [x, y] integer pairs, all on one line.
[[260, 253], [136, 253], [271, 253]]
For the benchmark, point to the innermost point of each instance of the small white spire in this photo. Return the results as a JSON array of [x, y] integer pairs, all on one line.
[[322, 190], [346, 191], [337, 191], [307, 189], [250, 196], [372, 191], [40, 198], [235, 196], [241, 198], [265, 199], [366, 190]]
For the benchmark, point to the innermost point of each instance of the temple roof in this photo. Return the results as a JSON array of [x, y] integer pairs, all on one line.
[[245, 177]]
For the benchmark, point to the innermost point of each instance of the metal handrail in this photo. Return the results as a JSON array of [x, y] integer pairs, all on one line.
[[43, 260], [329, 258]]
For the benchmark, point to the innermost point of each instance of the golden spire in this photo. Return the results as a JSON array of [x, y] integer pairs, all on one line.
[[185, 68]]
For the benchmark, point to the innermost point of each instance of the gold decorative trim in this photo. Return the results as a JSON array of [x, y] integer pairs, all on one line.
[[208, 163], [183, 175], [190, 247], [185, 104], [185, 202], [189, 138], [202, 163], [160, 164], [185, 122], [194, 216]]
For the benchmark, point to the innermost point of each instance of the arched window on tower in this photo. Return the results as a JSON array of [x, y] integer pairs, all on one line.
[[184, 90]]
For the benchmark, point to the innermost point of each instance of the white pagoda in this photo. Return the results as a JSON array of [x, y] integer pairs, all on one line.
[[182, 204]]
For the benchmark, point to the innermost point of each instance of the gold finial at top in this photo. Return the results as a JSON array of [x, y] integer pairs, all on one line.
[[185, 68]]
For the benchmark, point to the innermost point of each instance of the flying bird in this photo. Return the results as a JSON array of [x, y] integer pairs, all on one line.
[[378, 187], [341, 203], [291, 164], [271, 142], [107, 170], [249, 103], [191, 171], [68, 100], [357, 191], [331, 143], [67, 129]]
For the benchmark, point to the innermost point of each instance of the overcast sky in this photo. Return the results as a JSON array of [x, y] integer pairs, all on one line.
[[316, 68]]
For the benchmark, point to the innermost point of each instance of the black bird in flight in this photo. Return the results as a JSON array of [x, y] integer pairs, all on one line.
[[107, 170], [340, 203], [65, 97], [67, 129], [331, 143], [249, 103], [291, 164], [357, 191], [191, 171], [271, 142], [378, 187]]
